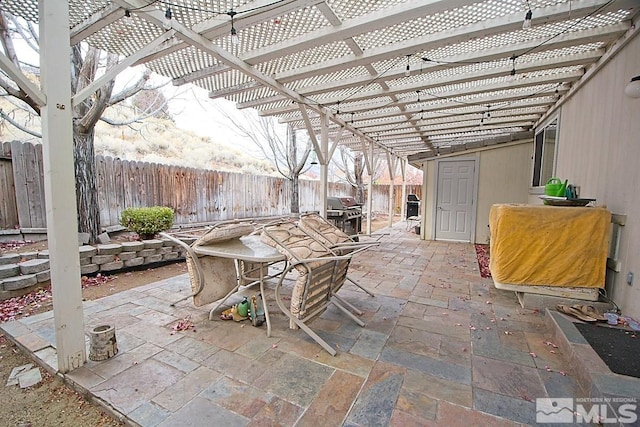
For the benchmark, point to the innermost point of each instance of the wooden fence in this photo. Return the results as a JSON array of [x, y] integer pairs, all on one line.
[[197, 196]]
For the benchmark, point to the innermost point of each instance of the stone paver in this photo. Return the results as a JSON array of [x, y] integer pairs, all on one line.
[[441, 347]]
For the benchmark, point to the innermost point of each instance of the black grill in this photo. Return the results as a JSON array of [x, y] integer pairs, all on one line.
[[345, 213]]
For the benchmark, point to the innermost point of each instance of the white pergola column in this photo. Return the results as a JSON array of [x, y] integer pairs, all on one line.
[[59, 183], [324, 162], [368, 158], [403, 202], [391, 163]]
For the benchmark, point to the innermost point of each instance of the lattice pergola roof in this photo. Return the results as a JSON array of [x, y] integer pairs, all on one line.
[[409, 76]]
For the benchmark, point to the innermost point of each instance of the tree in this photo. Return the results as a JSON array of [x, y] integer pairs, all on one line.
[[86, 62], [282, 150], [152, 102], [352, 167]]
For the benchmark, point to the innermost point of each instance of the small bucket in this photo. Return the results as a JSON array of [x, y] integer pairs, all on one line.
[[102, 343]]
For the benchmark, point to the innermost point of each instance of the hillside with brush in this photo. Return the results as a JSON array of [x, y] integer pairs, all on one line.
[[156, 140]]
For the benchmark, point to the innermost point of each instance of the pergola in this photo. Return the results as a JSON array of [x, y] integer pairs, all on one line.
[[388, 78]]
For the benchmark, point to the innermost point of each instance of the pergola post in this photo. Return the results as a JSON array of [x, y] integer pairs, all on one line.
[[403, 202], [391, 163], [324, 162], [59, 182], [368, 159]]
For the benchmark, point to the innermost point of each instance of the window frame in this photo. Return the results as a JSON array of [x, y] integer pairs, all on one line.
[[538, 164]]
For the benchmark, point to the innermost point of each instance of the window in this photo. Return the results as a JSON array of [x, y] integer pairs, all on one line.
[[544, 154]]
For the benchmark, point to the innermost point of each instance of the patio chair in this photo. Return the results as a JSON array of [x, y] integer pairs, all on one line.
[[320, 275], [334, 238]]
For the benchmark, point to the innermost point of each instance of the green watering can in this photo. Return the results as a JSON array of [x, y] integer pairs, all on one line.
[[555, 187]]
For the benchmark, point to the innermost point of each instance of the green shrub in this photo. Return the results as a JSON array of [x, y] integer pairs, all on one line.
[[147, 222]]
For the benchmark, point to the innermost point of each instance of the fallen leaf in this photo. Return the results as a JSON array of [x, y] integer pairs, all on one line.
[[184, 324]]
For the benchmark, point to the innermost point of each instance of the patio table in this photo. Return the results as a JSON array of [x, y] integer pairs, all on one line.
[[249, 250]]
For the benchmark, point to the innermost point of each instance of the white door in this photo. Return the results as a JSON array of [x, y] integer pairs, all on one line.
[[454, 200]]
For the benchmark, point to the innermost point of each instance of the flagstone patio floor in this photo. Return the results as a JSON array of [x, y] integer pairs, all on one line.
[[441, 347]]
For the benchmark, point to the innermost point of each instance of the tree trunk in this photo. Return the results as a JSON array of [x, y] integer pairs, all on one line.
[[295, 195], [293, 160], [357, 173], [86, 184]]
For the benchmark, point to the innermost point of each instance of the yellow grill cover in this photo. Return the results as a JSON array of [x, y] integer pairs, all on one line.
[[549, 245]]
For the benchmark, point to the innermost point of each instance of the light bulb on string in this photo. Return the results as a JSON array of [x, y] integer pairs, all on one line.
[[167, 19], [512, 74], [407, 72], [234, 37], [526, 24], [632, 90], [234, 33]]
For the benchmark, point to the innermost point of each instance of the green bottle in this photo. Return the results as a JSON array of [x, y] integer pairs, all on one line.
[[243, 307]]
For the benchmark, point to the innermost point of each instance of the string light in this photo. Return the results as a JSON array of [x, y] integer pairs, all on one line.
[[527, 20], [513, 66], [422, 108], [407, 72], [234, 34], [127, 17], [167, 19]]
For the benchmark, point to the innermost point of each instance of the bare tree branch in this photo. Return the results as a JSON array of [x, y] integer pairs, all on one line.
[[7, 41], [131, 90], [137, 119], [31, 39], [8, 118], [102, 95]]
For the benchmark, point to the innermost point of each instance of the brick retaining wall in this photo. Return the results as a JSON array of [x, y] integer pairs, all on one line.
[[20, 271]]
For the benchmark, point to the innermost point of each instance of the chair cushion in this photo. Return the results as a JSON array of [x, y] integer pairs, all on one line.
[[320, 229], [224, 232], [292, 242], [296, 245]]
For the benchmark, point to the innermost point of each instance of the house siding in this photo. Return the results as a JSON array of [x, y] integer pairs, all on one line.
[[599, 150]]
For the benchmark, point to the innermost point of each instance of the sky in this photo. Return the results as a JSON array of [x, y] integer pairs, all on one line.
[[193, 110], [189, 105]]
